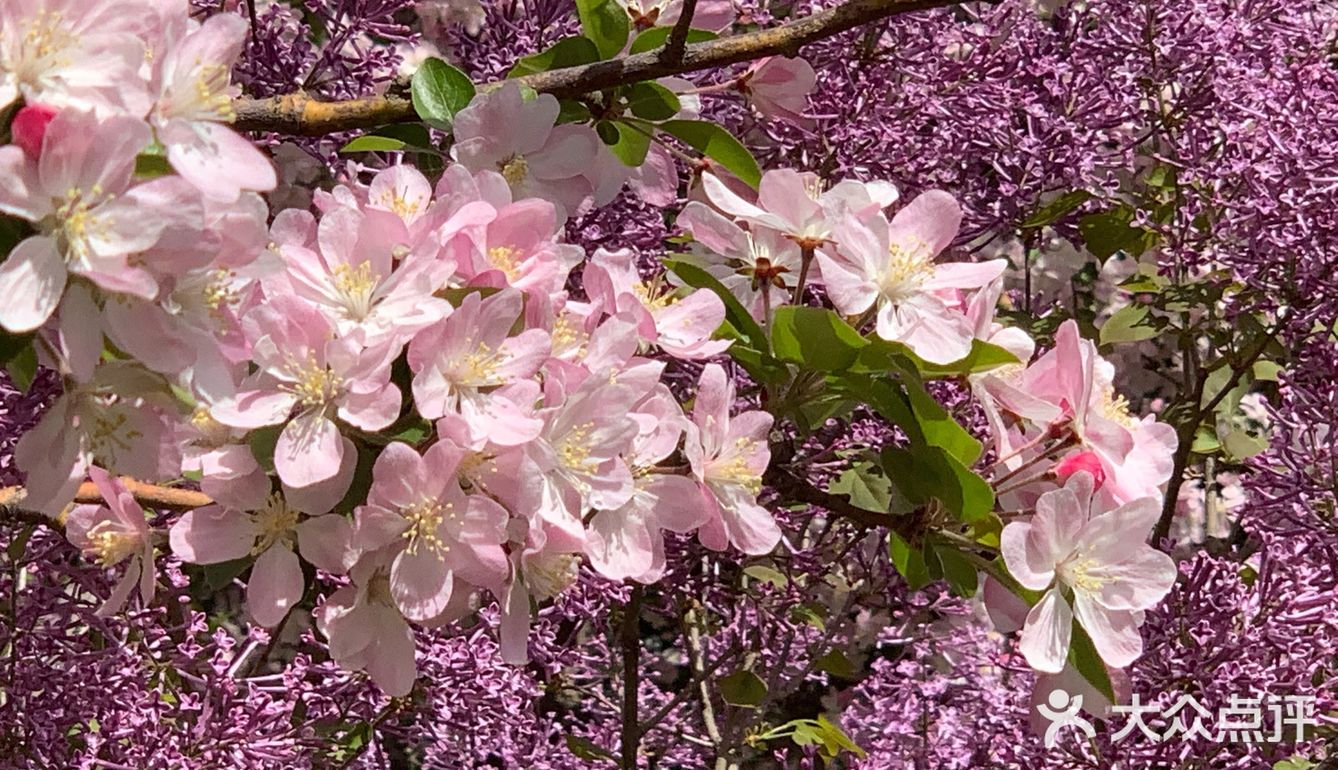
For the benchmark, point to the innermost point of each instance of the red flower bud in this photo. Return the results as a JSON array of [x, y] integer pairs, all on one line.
[[29, 128], [1081, 461]]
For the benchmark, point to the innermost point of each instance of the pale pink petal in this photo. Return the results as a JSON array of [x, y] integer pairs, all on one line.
[[1114, 632], [1046, 635], [390, 661], [326, 542], [276, 585], [420, 583], [211, 535], [309, 450], [32, 280], [929, 222], [218, 161]]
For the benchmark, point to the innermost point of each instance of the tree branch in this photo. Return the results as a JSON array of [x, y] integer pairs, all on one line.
[[678, 36], [298, 113], [911, 527], [147, 495]]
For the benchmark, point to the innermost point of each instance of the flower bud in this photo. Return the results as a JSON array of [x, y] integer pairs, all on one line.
[[29, 128], [1081, 461]]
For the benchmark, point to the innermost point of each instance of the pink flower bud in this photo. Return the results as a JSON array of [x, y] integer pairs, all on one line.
[[29, 128], [1081, 461]]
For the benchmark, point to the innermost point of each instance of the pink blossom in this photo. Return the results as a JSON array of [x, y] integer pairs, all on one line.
[[93, 220], [1100, 559], [891, 266], [518, 248], [681, 326], [194, 107], [502, 131], [445, 535], [798, 204], [728, 457], [760, 268], [74, 53], [457, 360], [627, 542], [713, 15], [778, 86], [302, 368], [366, 631], [273, 535], [111, 534]]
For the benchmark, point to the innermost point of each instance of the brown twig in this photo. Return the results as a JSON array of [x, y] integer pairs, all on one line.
[[678, 36], [300, 114], [148, 495], [631, 644], [910, 527]]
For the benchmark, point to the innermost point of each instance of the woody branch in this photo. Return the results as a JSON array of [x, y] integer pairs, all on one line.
[[300, 114]]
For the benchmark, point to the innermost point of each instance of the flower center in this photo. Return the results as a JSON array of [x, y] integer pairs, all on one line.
[[212, 432], [425, 519], [734, 468], [75, 225], [653, 299], [212, 99], [506, 259], [574, 450], [908, 267], [314, 385], [110, 544], [399, 202], [514, 169], [479, 367], [110, 431], [46, 45], [356, 287], [218, 292], [275, 523], [1076, 573], [1114, 407], [548, 577], [568, 337]]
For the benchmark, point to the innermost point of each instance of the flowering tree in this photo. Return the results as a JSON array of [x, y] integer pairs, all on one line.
[[735, 384]]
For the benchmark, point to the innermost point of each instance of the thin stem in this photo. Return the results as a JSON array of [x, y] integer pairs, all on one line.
[[631, 641], [806, 259]]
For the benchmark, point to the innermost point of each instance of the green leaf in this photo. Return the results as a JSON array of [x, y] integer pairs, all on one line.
[[815, 338], [263, 441], [652, 101], [1131, 323], [743, 688], [958, 571], [910, 562], [219, 576], [374, 143], [1294, 763], [606, 24], [940, 428], [765, 574], [572, 111], [930, 473], [735, 313], [587, 749], [1242, 445], [1057, 209], [22, 364], [630, 145], [717, 144], [882, 356], [868, 488], [1108, 232], [836, 664], [567, 52], [439, 91], [1084, 658], [657, 36]]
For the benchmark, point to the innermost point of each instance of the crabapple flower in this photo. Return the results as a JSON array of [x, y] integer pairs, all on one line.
[[366, 631], [73, 53], [891, 266], [797, 204], [457, 360], [680, 326], [111, 534], [1136, 455], [90, 221], [713, 15], [502, 131], [195, 104], [628, 542], [273, 535], [446, 535], [728, 457], [778, 86], [1100, 560], [301, 367], [760, 267], [518, 248]]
